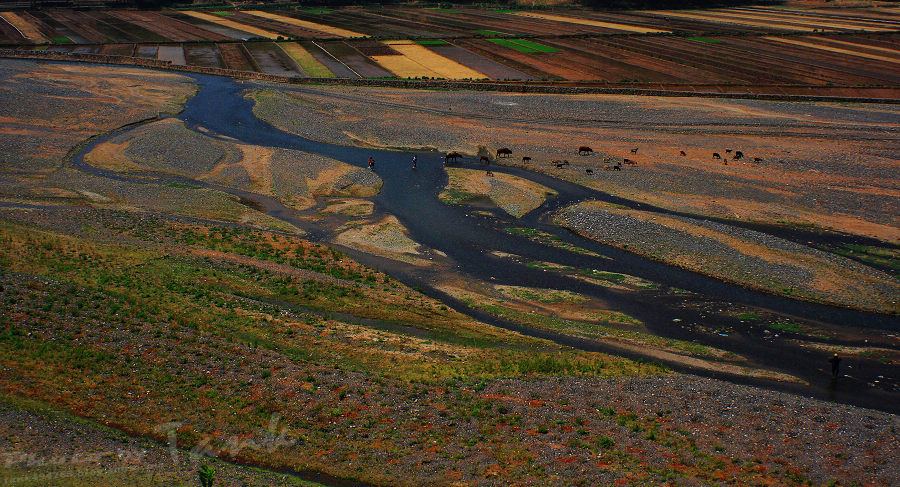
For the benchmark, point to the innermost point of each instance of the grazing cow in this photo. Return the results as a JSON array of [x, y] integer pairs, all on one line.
[[738, 155], [560, 165], [585, 151], [683, 153], [589, 171], [757, 159], [634, 151], [617, 167], [716, 155], [451, 157], [525, 159], [504, 152], [485, 161], [490, 173], [629, 162], [728, 151]]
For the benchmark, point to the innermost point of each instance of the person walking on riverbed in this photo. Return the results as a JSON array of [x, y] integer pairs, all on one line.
[[371, 164], [415, 161], [835, 363]]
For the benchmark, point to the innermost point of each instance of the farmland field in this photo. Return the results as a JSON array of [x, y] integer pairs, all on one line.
[[532, 245], [839, 52]]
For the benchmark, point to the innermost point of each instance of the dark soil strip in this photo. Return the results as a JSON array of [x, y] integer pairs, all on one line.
[[203, 55], [329, 61]]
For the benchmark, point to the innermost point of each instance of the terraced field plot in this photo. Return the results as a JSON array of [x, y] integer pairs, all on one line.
[[305, 60]]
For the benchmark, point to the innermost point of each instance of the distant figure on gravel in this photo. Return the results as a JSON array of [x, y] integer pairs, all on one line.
[[415, 161], [835, 364], [371, 164]]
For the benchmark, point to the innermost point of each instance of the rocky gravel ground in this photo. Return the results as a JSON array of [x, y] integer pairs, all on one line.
[[67, 104], [169, 146], [792, 268]]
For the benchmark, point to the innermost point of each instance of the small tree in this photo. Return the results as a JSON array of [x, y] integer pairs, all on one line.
[[206, 475]]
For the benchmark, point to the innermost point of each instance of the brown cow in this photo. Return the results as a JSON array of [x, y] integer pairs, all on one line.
[[585, 150]]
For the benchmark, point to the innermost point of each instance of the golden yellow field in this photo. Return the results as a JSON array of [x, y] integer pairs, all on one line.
[[231, 24], [418, 61], [596, 23], [24, 27], [833, 49], [337, 31]]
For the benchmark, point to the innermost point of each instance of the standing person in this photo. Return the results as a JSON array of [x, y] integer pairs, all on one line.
[[371, 164], [835, 362], [415, 161]]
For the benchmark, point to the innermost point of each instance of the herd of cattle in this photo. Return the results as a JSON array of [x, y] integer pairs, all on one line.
[[505, 152]]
